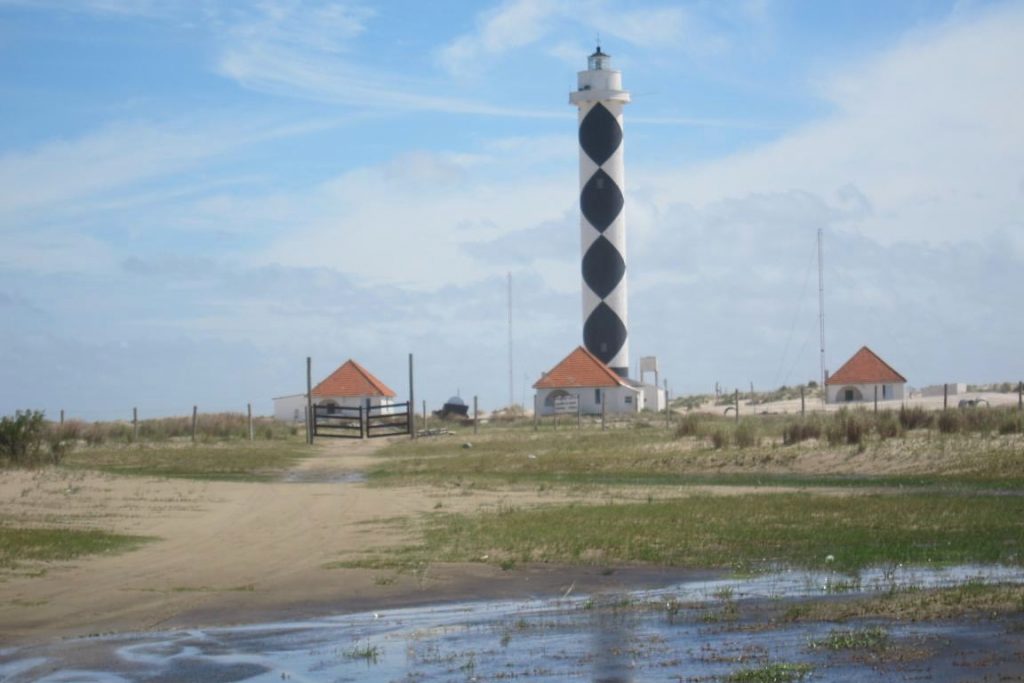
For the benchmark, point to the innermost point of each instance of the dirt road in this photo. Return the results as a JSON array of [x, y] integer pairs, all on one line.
[[226, 552]]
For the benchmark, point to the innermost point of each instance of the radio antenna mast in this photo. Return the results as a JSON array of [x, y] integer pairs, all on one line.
[[821, 313], [511, 390]]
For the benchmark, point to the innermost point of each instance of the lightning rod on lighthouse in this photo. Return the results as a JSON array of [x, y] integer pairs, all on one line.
[[599, 97]]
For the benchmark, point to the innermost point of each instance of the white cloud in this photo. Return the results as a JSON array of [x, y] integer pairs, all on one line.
[[514, 24], [929, 133], [120, 156], [408, 221], [328, 27]]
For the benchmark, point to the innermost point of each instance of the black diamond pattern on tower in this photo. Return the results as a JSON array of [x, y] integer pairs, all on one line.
[[600, 134], [603, 267], [603, 333], [601, 200]]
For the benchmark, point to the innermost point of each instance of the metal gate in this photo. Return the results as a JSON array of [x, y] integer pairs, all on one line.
[[357, 422], [343, 422], [392, 420]]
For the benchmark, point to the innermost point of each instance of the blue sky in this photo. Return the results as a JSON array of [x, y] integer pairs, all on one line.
[[194, 196]]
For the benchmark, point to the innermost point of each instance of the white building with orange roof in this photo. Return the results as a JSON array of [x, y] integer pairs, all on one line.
[[582, 377], [351, 385], [861, 377]]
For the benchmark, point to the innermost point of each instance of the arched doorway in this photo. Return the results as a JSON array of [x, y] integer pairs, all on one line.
[[549, 400], [850, 395]]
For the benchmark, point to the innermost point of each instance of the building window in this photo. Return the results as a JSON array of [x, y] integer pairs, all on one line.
[[629, 400], [849, 395], [597, 396]]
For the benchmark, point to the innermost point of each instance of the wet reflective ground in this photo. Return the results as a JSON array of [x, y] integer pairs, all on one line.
[[697, 631]]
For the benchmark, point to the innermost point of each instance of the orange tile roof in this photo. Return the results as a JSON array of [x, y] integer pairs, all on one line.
[[865, 367], [352, 379], [580, 368]]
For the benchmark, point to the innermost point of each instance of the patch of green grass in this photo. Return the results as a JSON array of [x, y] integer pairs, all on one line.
[[51, 544], [871, 638], [370, 653], [971, 598], [771, 673], [654, 457], [748, 531], [235, 461]]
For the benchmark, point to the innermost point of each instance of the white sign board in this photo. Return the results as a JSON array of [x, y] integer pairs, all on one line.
[[567, 404], [648, 364]]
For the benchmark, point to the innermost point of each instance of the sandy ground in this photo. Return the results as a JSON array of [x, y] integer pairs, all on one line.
[[229, 552], [244, 552]]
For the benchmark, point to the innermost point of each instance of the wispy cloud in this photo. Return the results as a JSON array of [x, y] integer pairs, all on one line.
[[303, 49], [514, 24], [125, 155], [511, 25], [127, 8]]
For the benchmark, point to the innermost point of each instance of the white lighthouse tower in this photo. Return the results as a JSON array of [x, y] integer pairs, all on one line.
[[600, 98]]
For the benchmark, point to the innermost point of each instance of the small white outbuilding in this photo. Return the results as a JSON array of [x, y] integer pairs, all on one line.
[[861, 377], [351, 385], [582, 378]]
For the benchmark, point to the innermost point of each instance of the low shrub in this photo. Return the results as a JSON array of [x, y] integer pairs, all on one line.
[[720, 438], [746, 434], [1012, 423], [915, 418], [888, 425], [856, 428], [847, 427], [688, 425], [21, 437], [804, 429], [950, 422]]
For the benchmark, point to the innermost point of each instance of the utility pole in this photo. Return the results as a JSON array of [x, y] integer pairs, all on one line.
[[511, 390], [821, 308], [310, 417]]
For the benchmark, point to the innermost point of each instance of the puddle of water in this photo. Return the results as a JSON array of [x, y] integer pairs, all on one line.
[[600, 638], [324, 477]]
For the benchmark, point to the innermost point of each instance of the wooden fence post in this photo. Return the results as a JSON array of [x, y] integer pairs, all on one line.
[[945, 396], [476, 416], [135, 423], [310, 417], [876, 398], [604, 404], [412, 402], [1020, 396], [579, 413], [195, 421], [668, 408], [536, 413], [736, 403], [802, 405], [62, 416], [248, 408]]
